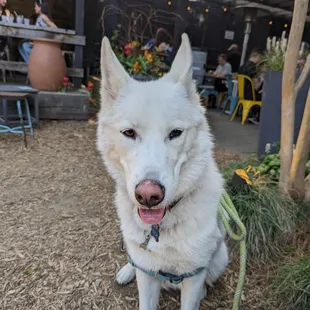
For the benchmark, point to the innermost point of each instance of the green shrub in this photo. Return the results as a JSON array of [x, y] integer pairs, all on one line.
[[269, 218], [292, 285]]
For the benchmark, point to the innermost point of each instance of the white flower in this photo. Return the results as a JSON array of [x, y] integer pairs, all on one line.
[[274, 42], [283, 34], [284, 45], [302, 49], [267, 148], [268, 44], [277, 47]]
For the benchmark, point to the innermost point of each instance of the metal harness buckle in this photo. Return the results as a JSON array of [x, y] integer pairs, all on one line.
[[165, 276]]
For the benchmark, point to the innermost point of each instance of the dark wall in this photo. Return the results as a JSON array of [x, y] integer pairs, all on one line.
[[210, 35]]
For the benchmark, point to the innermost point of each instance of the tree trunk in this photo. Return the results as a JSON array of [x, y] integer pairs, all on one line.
[[289, 92], [297, 173]]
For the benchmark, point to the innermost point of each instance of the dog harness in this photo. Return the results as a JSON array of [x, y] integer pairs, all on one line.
[[165, 276]]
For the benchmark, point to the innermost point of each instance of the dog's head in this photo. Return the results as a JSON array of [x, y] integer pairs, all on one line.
[[153, 135]]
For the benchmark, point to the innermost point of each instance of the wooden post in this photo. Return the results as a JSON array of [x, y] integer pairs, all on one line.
[[297, 174], [289, 92], [79, 28]]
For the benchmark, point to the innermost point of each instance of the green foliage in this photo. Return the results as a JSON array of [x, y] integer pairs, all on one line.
[[292, 285], [273, 61], [269, 218]]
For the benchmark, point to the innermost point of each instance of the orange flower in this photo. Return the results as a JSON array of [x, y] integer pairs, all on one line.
[[90, 84], [137, 67], [149, 57], [146, 53]]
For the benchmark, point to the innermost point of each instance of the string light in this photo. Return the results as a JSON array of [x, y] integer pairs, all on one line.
[[169, 2], [188, 8], [271, 22], [206, 10], [286, 25], [225, 9]]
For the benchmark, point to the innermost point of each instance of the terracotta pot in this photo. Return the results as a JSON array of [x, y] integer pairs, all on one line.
[[47, 66]]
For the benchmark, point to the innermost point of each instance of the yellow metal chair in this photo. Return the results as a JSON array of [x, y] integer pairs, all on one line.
[[247, 105]]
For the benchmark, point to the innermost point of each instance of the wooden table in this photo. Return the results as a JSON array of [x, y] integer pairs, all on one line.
[[29, 32], [22, 31]]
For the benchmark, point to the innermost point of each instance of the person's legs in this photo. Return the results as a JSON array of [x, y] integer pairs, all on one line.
[[25, 50], [219, 86]]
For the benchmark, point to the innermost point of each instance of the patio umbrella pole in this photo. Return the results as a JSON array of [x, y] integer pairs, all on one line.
[[247, 32]]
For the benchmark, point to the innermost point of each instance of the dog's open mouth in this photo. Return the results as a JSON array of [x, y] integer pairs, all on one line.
[[152, 216]]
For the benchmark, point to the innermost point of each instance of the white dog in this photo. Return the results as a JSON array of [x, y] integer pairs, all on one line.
[[156, 144]]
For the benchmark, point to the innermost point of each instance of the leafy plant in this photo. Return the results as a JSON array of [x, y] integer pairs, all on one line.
[[275, 55], [270, 219], [292, 285]]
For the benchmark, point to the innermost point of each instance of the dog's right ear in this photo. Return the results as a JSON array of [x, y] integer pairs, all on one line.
[[113, 75]]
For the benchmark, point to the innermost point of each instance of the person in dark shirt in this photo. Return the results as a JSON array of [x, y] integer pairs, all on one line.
[[234, 57], [252, 69]]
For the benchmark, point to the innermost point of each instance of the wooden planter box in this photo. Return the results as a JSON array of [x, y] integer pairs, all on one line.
[[63, 106], [270, 117]]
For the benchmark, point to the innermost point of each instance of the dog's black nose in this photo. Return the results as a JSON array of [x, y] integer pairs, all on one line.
[[150, 193]]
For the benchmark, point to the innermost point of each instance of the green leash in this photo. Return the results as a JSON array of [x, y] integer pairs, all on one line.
[[228, 206]]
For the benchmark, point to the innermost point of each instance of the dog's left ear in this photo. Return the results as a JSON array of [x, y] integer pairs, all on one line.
[[182, 66], [113, 75]]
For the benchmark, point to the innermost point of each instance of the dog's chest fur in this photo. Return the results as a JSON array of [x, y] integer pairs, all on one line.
[[182, 248]]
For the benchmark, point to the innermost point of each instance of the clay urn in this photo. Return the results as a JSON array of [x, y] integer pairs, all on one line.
[[47, 66]]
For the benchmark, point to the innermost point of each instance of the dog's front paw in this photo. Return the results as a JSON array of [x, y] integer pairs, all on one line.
[[126, 274]]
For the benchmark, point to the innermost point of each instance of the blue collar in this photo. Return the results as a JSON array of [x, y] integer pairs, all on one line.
[[164, 276]]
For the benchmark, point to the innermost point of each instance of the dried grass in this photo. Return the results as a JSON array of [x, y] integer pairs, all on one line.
[[60, 240]]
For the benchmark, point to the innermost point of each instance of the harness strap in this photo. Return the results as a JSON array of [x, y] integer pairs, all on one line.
[[165, 276]]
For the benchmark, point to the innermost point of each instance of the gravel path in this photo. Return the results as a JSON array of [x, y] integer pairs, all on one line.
[[60, 240]]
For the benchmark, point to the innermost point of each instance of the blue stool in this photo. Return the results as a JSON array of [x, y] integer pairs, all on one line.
[[19, 98], [208, 90], [230, 98]]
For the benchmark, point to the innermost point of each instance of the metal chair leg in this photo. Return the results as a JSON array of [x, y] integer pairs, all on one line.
[[29, 117], [20, 114]]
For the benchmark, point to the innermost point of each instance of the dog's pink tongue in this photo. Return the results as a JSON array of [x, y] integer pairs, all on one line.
[[152, 216]]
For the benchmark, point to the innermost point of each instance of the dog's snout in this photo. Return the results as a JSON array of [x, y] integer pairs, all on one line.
[[150, 193]]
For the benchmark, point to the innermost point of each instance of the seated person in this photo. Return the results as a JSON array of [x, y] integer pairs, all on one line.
[[252, 70], [3, 40], [234, 57], [220, 73], [41, 9]]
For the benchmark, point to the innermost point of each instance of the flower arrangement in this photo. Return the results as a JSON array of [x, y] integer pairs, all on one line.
[[90, 89], [66, 85], [275, 54], [138, 60]]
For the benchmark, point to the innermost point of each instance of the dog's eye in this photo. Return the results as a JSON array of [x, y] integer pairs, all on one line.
[[129, 133], [175, 133]]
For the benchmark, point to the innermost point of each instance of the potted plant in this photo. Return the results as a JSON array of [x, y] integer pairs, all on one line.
[[270, 116]]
